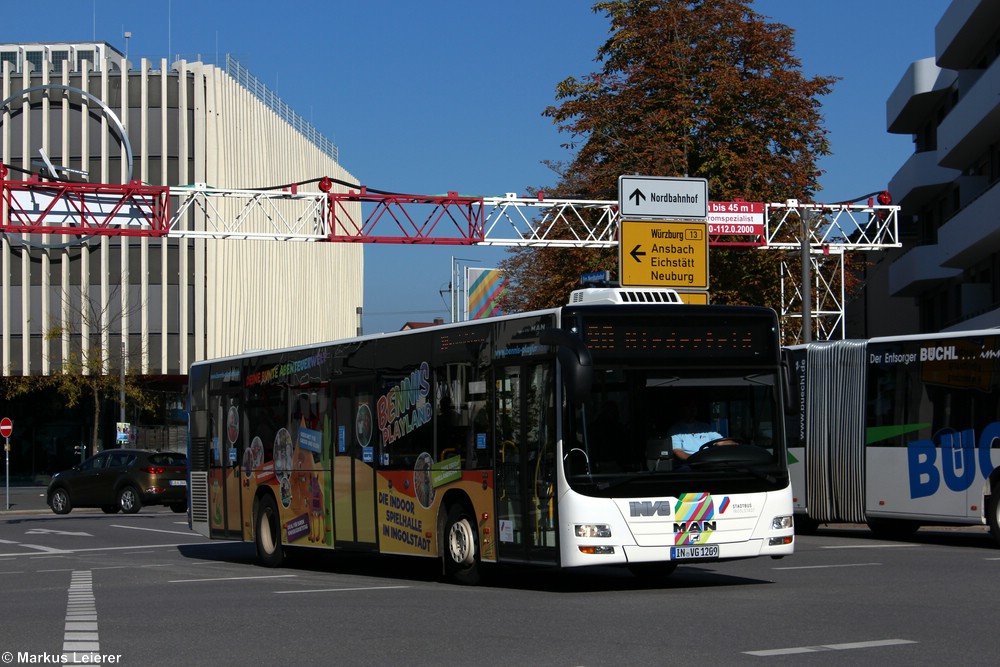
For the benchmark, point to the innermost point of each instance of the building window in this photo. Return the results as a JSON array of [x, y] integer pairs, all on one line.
[[9, 57], [57, 60], [82, 56], [35, 58]]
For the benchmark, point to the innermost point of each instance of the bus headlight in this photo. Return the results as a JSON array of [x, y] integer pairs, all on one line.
[[593, 530], [782, 522]]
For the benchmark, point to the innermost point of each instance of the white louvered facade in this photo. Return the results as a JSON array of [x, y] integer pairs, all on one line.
[[164, 303]]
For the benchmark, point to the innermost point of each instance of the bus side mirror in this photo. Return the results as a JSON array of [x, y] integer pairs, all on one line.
[[575, 359]]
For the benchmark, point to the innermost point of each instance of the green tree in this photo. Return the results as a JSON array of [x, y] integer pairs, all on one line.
[[698, 88]]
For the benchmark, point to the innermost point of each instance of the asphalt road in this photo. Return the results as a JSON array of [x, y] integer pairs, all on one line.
[[160, 594]]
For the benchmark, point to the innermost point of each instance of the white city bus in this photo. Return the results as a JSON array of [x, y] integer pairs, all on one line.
[[534, 438], [897, 432]]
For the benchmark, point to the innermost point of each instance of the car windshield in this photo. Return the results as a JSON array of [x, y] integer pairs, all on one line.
[[639, 427]]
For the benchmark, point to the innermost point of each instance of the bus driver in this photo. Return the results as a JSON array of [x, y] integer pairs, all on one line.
[[689, 433]]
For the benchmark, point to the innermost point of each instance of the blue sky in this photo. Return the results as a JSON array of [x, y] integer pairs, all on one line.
[[447, 95]]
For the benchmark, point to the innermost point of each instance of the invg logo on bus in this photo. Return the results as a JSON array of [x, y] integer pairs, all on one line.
[[960, 453]]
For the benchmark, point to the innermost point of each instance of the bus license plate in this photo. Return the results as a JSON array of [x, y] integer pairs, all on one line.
[[705, 551]]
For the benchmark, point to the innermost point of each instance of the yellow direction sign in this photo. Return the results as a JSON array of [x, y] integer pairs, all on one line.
[[665, 253]]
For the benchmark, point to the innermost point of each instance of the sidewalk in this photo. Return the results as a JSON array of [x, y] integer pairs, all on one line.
[[23, 499]]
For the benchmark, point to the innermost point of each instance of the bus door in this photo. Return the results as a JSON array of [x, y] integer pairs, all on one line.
[[226, 463], [353, 461], [525, 460]]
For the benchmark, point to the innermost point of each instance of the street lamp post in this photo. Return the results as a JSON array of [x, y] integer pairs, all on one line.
[[454, 296]]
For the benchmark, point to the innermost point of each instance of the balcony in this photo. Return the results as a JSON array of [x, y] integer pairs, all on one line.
[[918, 269], [916, 95], [963, 32], [973, 234], [919, 180], [973, 124]]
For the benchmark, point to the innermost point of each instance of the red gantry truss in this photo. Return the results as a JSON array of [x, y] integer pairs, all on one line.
[[356, 214]]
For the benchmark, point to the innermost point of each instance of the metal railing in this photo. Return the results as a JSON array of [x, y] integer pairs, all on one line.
[[280, 107]]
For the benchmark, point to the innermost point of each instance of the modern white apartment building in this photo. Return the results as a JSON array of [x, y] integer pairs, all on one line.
[[949, 189], [157, 304]]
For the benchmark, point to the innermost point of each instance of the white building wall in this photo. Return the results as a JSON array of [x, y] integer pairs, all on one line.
[[165, 302]]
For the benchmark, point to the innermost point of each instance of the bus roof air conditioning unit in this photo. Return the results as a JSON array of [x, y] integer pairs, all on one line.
[[623, 295]]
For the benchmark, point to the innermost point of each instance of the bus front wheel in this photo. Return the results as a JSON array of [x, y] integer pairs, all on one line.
[[461, 562], [268, 533]]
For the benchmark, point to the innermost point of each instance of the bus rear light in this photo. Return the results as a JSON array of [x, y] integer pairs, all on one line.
[[779, 541], [782, 522], [592, 530], [597, 551]]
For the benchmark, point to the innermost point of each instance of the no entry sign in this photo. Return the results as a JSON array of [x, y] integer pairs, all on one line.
[[6, 427]]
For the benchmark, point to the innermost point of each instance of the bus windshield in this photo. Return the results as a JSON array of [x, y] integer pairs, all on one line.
[[652, 428]]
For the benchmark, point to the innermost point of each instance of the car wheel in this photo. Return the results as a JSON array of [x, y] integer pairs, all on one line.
[[129, 500], [59, 502], [179, 508], [461, 562], [268, 533], [110, 509]]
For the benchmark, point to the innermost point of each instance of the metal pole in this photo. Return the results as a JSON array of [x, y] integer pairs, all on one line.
[[6, 451], [122, 394], [806, 289]]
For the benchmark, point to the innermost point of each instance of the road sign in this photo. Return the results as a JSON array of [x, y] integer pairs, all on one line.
[[662, 198], [666, 253], [700, 297], [6, 427]]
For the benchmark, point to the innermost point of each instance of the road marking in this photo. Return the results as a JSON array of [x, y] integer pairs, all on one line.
[[822, 567], [342, 590], [48, 550], [78, 551], [263, 576], [831, 647], [80, 639], [190, 533], [870, 546], [48, 531]]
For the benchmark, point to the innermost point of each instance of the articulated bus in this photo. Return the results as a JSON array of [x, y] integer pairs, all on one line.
[[537, 438], [897, 432]]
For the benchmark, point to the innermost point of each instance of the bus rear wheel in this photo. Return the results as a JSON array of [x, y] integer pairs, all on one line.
[[993, 513], [268, 533], [461, 562]]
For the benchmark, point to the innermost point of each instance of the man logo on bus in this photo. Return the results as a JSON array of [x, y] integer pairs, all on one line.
[[694, 512]]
